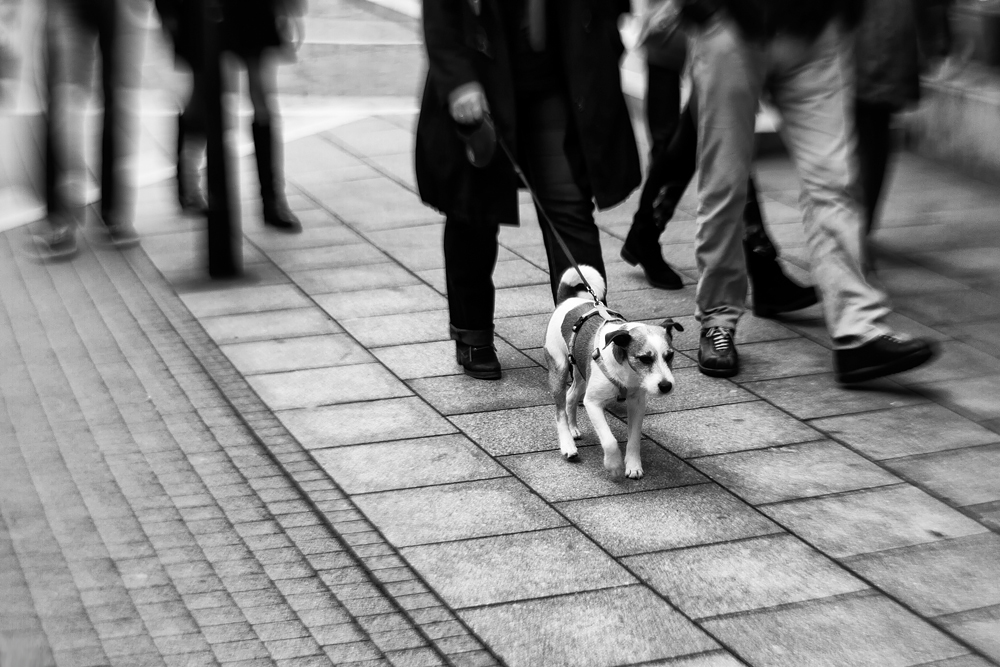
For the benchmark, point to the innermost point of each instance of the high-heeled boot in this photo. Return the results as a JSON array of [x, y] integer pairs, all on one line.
[[642, 246], [272, 191]]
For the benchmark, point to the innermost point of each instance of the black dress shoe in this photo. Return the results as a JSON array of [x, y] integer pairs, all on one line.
[[478, 362], [642, 246], [883, 356], [717, 355], [278, 215]]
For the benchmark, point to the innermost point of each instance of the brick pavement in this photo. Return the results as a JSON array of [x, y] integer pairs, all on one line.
[[783, 520]]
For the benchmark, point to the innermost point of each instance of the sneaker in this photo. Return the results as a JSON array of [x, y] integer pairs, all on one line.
[[57, 243], [887, 354], [717, 355], [478, 362]]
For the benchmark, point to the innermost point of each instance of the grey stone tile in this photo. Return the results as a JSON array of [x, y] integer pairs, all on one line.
[[794, 471], [368, 421], [522, 430], [905, 431], [382, 301], [784, 358], [957, 361], [327, 256], [948, 307], [403, 329], [419, 360], [457, 511], [710, 659], [505, 568], [353, 278], [866, 521], [652, 304], [975, 398], [556, 479], [939, 578], [593, 629], [323, 386], [523, 331], [961, 477], [313, 237], [454, 394], [726, 428], [289, 354], [812, 396], [981, 628], [963, 661], [407, 463], [378, 204], [692, 389], [665, 519], [269, 325], [236, 300], [861, 630], [742, 575], [524, 300]]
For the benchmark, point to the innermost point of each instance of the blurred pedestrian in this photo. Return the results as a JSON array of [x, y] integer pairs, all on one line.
[[259, 33], [548, 74], [75, 32], [796, 52]]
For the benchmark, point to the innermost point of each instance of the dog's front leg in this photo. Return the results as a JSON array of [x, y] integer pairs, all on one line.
[[636, 409], [594, 402]]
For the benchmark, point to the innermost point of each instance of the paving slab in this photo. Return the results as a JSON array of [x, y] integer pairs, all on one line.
[[556, 479], [324, 386], [588, 629], [245, 300], [351, 278], [743, 575], [812, 396], [794, 471], [872, 520], [665, 519], [401, 464], [383, 301], [726, 428], [457, 394], [905, 431], [979, 628], [289, 354], [420, 360], [457, 511], [968, 476], [269, 326], [944, 577], [858, 630], [538, 564]]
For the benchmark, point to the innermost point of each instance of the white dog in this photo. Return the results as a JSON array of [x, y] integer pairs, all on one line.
[[606, 356]]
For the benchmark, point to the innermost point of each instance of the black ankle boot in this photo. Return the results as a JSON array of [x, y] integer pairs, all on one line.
[[189, 194], [275, 208], [642, 246], [773, 291], [479, 362]]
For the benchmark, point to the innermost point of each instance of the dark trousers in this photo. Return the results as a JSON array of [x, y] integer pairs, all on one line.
[[873, 123], [663, 106], [549, 153], [96, 20]]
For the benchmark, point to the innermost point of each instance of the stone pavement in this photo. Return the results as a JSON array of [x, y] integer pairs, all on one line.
[[289, 468]]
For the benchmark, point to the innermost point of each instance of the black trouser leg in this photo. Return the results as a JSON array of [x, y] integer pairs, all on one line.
[[112, 196], [874, 145], [663, 106], [470, 254], [551, 157], [670, 172]]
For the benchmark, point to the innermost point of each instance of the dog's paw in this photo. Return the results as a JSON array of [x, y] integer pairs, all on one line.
[[572, 458], [575, 432], [569, 451], [613, 463], [633, 471]]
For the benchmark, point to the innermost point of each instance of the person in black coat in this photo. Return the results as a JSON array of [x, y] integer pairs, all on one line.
[[548, 75], [252, 30]]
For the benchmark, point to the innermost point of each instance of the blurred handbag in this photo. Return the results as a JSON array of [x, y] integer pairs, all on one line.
[[662, 37]]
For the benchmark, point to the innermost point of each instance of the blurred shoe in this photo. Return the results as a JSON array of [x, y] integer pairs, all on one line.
[[192, 202], [642, 247], [773, 291], [887, 354], [278, 215], [478, 362], [267, 151], [120, 235], [717, 356], [59, 242]]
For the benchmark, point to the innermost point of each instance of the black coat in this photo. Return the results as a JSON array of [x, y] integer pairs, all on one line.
[[465, 46], [887, 54]]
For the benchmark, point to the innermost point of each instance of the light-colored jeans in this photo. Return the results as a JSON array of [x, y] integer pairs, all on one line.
[[809, 83]]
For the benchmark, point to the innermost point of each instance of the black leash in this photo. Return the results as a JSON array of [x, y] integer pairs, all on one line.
[[538, 204]]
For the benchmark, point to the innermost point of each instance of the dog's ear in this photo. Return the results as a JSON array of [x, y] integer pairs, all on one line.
[[620, 337], [669, 324]]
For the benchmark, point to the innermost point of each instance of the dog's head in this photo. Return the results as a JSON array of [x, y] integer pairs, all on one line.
[[647, 352]]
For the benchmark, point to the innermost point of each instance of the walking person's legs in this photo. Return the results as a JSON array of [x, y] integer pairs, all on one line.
[[470, 255]]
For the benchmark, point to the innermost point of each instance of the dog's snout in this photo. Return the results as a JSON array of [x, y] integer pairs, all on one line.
[[665, 386]]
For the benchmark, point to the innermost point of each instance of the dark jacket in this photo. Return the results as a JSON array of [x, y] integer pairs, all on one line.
[[887, 54], [463, 46], [764, 19]]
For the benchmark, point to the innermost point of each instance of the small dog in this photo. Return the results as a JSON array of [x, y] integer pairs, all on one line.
[[605, 356]]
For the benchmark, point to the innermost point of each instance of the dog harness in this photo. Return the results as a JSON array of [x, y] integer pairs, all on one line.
[[581, 336]]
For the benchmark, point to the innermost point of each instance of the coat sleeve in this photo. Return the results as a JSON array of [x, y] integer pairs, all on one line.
[[450, 59]]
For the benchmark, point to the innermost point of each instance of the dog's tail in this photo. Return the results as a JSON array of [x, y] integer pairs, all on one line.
[[571, 285]]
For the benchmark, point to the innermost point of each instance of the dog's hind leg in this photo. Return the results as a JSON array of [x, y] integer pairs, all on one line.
[[636, 410], [559, 370], [573, 398]]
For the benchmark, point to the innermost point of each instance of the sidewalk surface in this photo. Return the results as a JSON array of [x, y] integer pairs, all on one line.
[[290, 469]]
